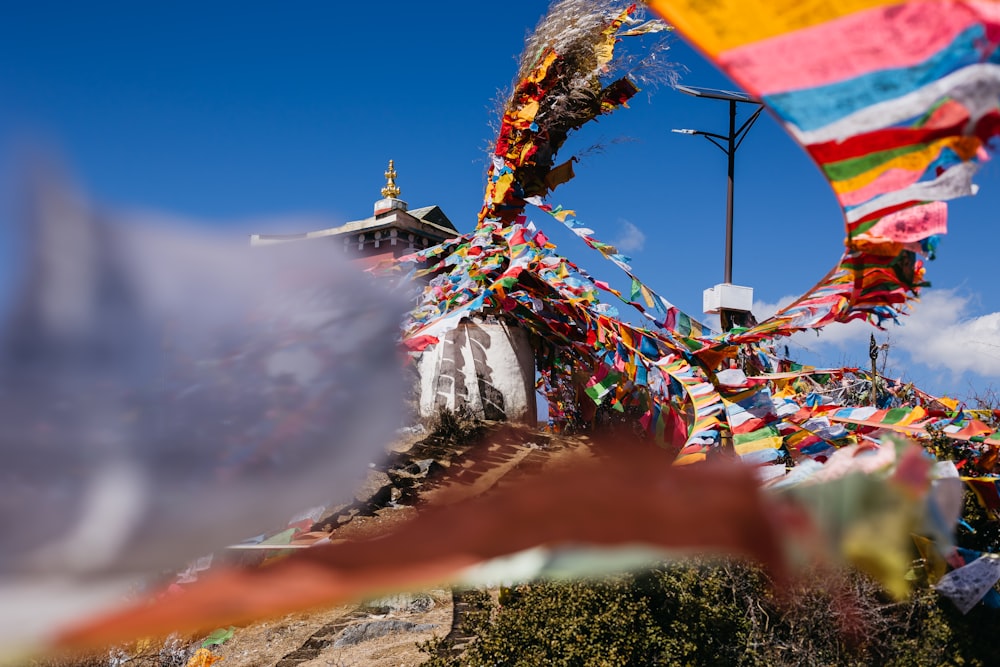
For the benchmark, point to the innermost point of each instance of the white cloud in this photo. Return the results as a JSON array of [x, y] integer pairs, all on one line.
[[940, 334], [763, 310], [630, 238], [841, 335]]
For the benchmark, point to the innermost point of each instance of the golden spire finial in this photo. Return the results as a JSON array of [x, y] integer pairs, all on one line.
[[391, 190]]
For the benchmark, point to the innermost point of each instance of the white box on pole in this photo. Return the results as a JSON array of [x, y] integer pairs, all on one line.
[[726, 296]]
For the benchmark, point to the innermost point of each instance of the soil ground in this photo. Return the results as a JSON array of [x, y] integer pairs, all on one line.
[[273, 642], [469, 471]]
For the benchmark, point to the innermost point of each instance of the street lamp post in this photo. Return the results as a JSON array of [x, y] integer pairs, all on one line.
[[723, 295]]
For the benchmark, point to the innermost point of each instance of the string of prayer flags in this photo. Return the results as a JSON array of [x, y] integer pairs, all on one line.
[[897, 109]]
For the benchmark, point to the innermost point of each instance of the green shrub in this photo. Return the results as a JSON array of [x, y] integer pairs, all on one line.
[[722, 613]]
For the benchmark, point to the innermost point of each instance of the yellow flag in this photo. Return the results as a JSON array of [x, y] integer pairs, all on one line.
[[203, 658]]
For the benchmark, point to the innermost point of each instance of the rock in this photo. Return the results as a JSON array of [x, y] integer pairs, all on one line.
[[381, 497], [414, 604], [362, 632], [373, 484], [433, 470], [414, 470], [421, 467], [420, 603]]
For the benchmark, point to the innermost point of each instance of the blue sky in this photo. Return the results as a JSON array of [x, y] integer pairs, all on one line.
[[259, 116]]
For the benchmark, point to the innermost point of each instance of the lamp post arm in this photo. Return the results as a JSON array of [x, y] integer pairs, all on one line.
[[711, 134], [745, 128], [724, 149]]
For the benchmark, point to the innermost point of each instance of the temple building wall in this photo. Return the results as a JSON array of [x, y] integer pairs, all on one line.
[[488, 367]]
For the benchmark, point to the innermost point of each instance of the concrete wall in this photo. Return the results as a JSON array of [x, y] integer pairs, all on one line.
[[488, 367]]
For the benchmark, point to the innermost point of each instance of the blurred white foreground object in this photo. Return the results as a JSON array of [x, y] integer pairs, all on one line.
[[164, 393]]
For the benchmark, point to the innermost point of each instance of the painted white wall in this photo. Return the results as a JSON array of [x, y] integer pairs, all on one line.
[[488, 367]]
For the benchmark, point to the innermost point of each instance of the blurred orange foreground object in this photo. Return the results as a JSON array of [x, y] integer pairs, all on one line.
[[635, 498]]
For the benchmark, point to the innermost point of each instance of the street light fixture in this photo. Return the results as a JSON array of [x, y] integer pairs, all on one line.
[[716, 94], [731, 143]]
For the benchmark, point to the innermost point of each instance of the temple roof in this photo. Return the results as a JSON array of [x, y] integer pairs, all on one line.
[[429, 221], [390, 213]]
